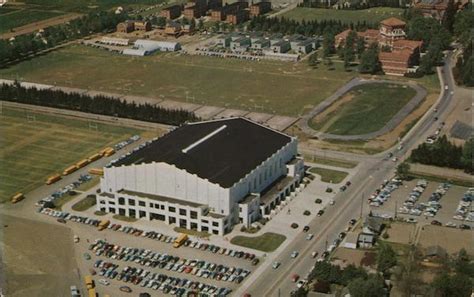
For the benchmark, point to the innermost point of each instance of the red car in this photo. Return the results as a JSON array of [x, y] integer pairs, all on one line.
[[295, 277]]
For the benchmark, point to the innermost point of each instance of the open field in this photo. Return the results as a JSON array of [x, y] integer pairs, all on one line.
[[37, 258], [267, 242], [84, 5], [452, 240], [34, 146], [267, 86], [372, 15], [329, 175], [364, 109], [20, 17]]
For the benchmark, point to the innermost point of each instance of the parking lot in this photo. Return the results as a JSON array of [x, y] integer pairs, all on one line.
[[423, 202], [165, 268]]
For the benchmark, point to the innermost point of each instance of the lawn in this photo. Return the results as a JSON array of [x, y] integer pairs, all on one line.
[[191, 232], [85, 203], [34, 146], [23, 17], [329, 175], [372, 15], [85, 5], [330, 161], [268, 86], [267, 242], [367, 108]]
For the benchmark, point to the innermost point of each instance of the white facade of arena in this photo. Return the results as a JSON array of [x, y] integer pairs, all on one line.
[[162, 191]]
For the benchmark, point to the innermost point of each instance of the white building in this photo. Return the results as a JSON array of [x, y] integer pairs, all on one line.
[[206, 176], [143, 47]]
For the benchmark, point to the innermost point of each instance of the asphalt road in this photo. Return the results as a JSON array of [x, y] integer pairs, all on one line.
[[349, 204]]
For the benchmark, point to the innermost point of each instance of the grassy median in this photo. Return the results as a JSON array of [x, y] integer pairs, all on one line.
[[329, 175], [267, 242]]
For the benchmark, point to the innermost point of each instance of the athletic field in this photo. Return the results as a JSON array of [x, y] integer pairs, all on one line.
[[34, 146]]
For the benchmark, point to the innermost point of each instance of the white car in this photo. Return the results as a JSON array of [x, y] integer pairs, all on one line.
[[275, 265], [104, 282], [309, 236], [332, 202], [294, 254]]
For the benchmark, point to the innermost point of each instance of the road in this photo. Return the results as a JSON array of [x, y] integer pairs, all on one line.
[[350, 204]]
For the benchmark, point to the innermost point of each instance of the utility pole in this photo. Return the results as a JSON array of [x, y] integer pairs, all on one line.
[[362, 204]]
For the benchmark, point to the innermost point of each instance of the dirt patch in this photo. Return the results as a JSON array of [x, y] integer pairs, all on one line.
[[37, 258], [452, 240], [403, 233], [40, 25], [344, 257]]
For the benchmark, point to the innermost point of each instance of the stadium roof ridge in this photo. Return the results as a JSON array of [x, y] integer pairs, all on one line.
[[222, 151]]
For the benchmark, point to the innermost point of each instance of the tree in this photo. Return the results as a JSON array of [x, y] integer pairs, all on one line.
[[360, 46], [403, 170], [467, 155], [386, 258], [463, 24], [407, 276], [369, 61], [313, 59], [328, 44], [200, 25], [458, 285], [161, 22], [449, 16], [371, 287]]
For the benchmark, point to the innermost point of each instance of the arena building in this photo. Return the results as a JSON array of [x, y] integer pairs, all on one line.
[[207, 176]]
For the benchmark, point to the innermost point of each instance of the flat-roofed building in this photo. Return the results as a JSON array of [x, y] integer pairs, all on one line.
[[206, 176]]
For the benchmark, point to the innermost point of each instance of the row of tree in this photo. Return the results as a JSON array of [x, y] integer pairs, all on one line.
[[462, 29], [353, 5], [94, 104], [443, 153], [307, 28], [29, 44]]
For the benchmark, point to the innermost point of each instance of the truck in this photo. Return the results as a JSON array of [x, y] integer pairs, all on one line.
[[180, 240], [82, 163], [107, 152], [17, 198], [96, 171], [103, 224], [70, 170], [94, 157], [52, 179], [92, 293], [89, 282]]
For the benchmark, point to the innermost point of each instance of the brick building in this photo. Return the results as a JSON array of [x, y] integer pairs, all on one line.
[[172, 12], [260, 8], [402, 54]]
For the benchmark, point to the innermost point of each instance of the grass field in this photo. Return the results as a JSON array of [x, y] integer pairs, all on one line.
[[84, 5], [267, 242], [21, 17], [329, 175], [330, 162], [366, 108], [34, 146], [85, 203], [372, 15], [269, 86]]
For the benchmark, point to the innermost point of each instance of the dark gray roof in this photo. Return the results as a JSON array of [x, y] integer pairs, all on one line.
[[221, 151]]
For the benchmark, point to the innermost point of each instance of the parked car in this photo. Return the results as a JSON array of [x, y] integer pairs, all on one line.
[[320, 213], [295, 277], [328, 190], [318, 201], [294, 254], [436, 223], [306, 228], [309, 236], [275, 265], [125, 289], [294, 225], [314, 254]]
